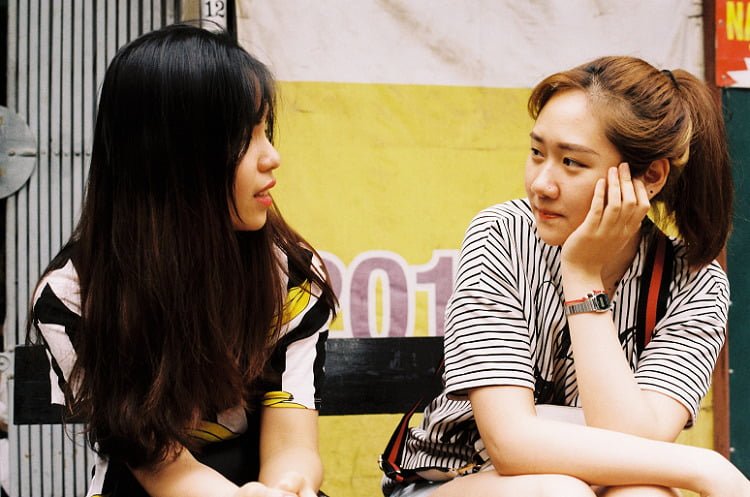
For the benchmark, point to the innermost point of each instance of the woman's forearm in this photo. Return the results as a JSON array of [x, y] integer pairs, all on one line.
[[610, 395], [183, 476], [604, 457], [289, 450], [518, 442], [301, 460]]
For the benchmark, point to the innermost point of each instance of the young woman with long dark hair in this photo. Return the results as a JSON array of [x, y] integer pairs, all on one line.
[[551, 390], [185, 320]]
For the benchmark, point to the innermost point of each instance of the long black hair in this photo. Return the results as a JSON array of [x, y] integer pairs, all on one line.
[[179, 311]]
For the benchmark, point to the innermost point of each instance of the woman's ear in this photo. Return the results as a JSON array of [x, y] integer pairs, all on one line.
[[656, 176]]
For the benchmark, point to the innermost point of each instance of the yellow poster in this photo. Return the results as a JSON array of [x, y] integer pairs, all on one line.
[[384, 179], [399, 121]]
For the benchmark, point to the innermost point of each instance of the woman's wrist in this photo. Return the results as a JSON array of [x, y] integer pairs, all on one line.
[[714, 470], [578, 283]]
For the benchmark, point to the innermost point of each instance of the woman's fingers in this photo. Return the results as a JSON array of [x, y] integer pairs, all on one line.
[[614, 198], [594, 217], [614, 181], [629, 198], [635, 202]]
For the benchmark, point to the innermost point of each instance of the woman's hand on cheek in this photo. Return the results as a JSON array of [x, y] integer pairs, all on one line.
[[617, 209]]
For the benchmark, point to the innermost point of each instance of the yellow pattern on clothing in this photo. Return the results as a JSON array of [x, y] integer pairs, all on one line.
[[281, 399], [212, 432], [297, 300]]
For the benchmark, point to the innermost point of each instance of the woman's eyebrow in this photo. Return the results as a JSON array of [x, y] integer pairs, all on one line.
[[573, 147]]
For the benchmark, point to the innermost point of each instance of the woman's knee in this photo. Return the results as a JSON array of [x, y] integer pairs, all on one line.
[[638, 491], [562, 486], [490, 484]]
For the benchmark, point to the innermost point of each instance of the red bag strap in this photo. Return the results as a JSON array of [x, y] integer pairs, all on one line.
[[390, 460], [654, 291]]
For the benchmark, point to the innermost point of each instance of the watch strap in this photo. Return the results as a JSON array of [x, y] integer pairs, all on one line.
[[596, 301]]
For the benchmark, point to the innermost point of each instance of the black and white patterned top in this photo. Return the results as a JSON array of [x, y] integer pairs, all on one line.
[[505, 325], [293, 377]]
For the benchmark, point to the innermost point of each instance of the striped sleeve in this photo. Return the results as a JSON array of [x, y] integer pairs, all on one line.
[[679, 360], [299, 357], [487, 339]]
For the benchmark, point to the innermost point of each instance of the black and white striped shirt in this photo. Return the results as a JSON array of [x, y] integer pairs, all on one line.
[[505, 325]]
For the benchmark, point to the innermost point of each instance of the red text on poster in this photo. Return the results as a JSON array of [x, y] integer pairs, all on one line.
[[733, 43]]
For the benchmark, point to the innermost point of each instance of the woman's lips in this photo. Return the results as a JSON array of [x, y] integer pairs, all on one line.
[[263, 196], [547, 215]]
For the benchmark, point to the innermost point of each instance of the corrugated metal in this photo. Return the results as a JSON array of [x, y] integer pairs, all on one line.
[[57, 54]]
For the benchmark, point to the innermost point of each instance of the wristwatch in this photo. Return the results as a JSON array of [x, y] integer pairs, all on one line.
[[596, 301]]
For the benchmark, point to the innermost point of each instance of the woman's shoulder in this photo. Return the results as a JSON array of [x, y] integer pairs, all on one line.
[[511, 210], [302, 271], [711, 275], [690, 285], [298, 262], [511, 219], [305, 309], [58, 287]]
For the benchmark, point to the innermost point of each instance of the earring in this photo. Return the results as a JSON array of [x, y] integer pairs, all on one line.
[[650, 192]]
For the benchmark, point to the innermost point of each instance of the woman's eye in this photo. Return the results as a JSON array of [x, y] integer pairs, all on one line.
[[571, 162], [535, 152]]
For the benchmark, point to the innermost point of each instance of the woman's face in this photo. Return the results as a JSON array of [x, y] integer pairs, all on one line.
[[569, 153], [253, 182]]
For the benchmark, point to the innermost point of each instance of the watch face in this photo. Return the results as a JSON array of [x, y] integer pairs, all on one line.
[[601, 301]]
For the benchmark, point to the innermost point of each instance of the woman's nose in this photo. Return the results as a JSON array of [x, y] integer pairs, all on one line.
[[270, 159], [544, 184]]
